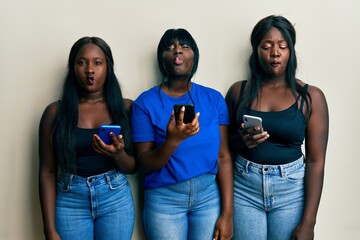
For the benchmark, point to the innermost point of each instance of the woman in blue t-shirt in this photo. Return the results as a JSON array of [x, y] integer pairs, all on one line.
[[189, 182], [277, 190]]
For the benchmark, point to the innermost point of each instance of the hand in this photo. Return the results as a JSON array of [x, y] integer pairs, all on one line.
[[180, 131], [250, 138], [224, 228], [114, 150], [54, 236], [303, 232]]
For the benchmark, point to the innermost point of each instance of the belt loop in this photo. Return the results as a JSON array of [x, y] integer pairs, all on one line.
[[107, 177], [247, 166], [282, 171]]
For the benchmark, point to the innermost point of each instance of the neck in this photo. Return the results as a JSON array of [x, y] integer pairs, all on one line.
[[274, 82], [177, 88], [92, 97]]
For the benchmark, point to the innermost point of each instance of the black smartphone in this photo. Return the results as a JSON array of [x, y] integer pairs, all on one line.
[[104, 132], [189, 112]]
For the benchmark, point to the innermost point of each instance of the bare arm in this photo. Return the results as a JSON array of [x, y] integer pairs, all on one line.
[[315, 145], [48, 172], [151, 158], [231, 99], [224, 225]]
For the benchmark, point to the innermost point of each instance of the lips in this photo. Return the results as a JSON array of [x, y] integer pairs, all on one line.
[[178, 60], [90, 80], [275, 64]]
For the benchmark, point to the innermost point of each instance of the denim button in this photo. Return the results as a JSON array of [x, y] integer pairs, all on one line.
[[266, 169]]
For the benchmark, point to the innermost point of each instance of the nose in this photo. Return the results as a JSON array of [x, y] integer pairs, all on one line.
[[177, 49], [89, 69], [275, 52]]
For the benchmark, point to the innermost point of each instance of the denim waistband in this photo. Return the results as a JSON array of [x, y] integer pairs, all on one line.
[[282, 169], [93, 180], [200, 182]]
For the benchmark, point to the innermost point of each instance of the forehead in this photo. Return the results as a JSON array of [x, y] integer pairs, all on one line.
[[90, 50], [273, 34]]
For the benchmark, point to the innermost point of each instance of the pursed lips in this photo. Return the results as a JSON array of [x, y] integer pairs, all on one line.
[[90, 79], [178, 60]]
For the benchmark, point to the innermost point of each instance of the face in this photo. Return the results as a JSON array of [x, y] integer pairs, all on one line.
[[90, 68], [178, 60], [273, 53]]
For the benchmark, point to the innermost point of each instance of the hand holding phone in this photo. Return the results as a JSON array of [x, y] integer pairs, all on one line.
[[251, 122], [104, 132], [189, 112]]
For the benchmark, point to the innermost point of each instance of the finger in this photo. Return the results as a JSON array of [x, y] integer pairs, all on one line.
[[216, 234], [171, 119], [181, 115], [196, 119], [97, 140], [114, 139], [98, 144]]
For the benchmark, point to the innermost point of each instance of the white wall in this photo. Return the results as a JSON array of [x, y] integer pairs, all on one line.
[[36, 37]]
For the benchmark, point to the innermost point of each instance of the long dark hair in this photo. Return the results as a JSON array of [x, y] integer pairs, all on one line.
[[67, 115], [168, 38], [256, 71]]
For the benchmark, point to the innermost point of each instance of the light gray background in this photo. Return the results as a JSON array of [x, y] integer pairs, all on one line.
[[36, 37]]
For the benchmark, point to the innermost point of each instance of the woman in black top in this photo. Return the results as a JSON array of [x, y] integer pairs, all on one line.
[[84, 193], [277, 190]]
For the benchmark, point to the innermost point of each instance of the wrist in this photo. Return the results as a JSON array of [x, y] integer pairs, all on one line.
[[120, 155]]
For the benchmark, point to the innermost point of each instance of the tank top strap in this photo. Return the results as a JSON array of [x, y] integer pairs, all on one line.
[[242, 89], [304, 90]]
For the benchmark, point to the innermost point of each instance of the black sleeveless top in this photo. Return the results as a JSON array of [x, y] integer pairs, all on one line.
[[88, 161], [287, 133]]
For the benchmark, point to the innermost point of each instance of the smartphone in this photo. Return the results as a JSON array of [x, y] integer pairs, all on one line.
[[189, 112], [252, 121], [104, 132]]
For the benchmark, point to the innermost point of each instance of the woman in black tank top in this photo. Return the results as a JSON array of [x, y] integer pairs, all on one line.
[[276, 185], [84, 191]]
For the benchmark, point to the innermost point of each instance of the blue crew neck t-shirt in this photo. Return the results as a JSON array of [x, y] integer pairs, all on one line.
[[197, 154]]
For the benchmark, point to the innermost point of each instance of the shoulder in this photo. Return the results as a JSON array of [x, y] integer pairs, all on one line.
[[51, 109], [202, 88], [234, 91], [314, 92], [127, 104], [148, 94], [49, 114]]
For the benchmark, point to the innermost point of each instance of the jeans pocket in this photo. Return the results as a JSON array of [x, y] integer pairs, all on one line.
[[239, 170], [63, 184], [117, 180], [297, 176]]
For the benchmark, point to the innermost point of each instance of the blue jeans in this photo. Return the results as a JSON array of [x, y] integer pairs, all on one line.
[[268, 199], [96, 207], [186, 210]]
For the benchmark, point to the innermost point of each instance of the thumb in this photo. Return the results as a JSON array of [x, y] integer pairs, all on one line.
[[216, 234]]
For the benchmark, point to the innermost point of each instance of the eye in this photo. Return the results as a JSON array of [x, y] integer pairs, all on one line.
[[98, 62], [170, 48], [185, 46], [265, 46], [81, 62], [283, 46]]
